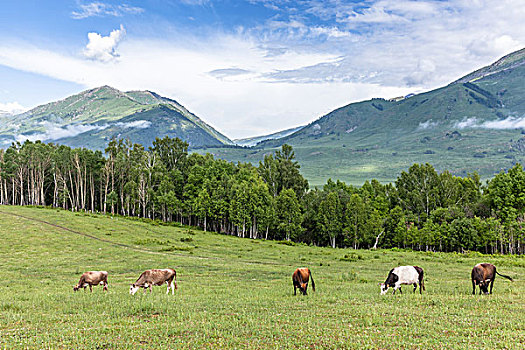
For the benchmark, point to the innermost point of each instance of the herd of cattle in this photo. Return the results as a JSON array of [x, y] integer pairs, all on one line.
[[482, 275]]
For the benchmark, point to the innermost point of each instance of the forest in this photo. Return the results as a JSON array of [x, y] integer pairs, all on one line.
[[421, 210]]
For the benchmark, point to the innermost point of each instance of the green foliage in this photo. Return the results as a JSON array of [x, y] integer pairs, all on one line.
[[288, 214], [422, 210]]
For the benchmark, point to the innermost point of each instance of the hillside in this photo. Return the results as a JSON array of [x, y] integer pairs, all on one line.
[[473, 124], [93, 117], [252, 141], [234, 293]]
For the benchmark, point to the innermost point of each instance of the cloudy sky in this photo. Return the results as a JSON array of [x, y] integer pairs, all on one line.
[[254, 66]]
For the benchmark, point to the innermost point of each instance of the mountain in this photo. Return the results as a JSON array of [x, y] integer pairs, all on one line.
[[473, 124], [93, 117], [252, 141]]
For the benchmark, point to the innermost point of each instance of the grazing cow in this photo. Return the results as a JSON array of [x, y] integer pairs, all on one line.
[[155, 277], [300, 279], [403, 275], [482, 275], [92, 278]]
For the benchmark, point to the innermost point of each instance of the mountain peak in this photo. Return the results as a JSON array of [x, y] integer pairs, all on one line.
[[104, 88], [92, 117], [510, 61]]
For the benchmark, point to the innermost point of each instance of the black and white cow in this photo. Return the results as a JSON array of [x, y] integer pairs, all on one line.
[[403, 275]]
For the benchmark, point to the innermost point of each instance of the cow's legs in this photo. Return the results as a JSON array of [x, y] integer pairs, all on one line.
[[91, 288], [150, 289], [492, 284], [397, 286], [168, 289], [106, 286], [305, 288], [473, 287], [294, 289], [172, 288], [415, 287]]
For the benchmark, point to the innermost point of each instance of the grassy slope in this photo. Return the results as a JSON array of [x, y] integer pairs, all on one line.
[[235, 293], [379, 139]]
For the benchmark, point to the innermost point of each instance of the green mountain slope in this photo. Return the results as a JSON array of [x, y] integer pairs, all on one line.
[[473, 124], [252, 141], [93, 117]]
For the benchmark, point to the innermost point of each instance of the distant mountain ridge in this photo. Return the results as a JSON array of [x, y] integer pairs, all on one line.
[[492, 93], [93, 117], [252, 141], [476, 123]]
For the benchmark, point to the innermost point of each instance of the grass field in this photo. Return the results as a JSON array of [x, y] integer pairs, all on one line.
[[235, 293]]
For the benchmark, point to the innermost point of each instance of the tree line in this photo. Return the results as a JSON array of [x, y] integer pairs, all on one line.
[[421, 210]]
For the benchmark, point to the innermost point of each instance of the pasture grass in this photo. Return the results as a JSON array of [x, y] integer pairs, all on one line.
[[235, 293]]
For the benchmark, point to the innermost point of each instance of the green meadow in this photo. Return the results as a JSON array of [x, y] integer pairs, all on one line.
[[235, 293]]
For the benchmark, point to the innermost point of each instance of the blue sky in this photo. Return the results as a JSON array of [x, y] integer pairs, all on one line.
[[249, 67]]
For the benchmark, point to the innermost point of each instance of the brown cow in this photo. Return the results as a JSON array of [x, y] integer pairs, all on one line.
[[300, 280], [155, 277], [92, 278], [482, 275]]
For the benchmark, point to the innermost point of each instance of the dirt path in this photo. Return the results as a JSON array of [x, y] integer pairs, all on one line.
[[127, 246]]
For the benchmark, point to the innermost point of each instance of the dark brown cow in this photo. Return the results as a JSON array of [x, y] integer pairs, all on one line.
[[92, 278], [155, 277], [482, 275], [300, 279]]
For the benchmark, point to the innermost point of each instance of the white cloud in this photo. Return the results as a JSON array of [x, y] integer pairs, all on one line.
[[493, 44], [471, 122], [54, 131], [422, 73], [11, 108], [507, 123], [137, 124], [375, 14], [427, 125], [331, 32], [102, 48], [100, 9]]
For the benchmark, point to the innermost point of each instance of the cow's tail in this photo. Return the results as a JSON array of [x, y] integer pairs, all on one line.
[[175, 279], [312, 277], [507, 277]]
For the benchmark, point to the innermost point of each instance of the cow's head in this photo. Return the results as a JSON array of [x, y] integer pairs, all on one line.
[[484, 286], [75, 288], [302, 287], [384, 288], [133, 289]]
